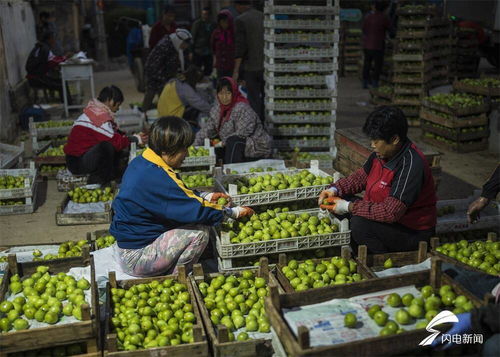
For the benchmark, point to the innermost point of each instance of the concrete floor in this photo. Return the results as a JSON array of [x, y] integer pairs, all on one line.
[[461, 172]]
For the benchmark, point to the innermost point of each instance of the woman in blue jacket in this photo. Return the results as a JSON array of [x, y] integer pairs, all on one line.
[[158, 222]]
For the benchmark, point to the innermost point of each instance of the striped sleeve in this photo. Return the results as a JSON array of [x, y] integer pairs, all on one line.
[[408, 179]]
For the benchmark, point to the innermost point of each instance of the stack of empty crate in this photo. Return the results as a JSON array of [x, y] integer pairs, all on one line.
[[465, 57], [351, 50], [301, 51], [441, 49], [18, 190]]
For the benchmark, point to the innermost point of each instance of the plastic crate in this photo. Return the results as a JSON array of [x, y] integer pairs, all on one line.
[[130, 120], [457, 221], [300, 131], [301, 118], [302, 10], [298, 53], [296, 80], [303, 67], [10, 155], [302, 106], [264, 198], [48, 132], [226, 249], [27, 207], [300, 143], [29, 182], [300, 93], [303, 24], [302, 37]]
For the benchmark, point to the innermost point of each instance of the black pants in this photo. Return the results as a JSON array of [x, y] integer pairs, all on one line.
[[102, 162], [233, 150], [377, 57], [385, 237], [255, 87], [204, 62]]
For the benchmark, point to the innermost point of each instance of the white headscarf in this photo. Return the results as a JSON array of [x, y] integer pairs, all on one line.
[[177, 38]]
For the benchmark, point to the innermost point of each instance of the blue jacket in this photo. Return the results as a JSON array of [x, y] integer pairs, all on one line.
[[153, 200]]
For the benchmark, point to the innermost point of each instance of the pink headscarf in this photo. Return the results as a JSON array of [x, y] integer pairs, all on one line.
[[237, 97], [98, 112]]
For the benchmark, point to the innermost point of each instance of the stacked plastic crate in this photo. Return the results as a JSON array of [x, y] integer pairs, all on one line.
[[352, 53], [301, 51], [441, 49], [464, 57], [18, 190], [413, 63]]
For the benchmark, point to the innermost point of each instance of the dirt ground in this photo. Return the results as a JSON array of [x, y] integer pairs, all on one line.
[[461, 172]]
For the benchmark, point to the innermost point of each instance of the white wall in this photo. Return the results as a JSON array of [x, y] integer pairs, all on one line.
[[19, 36]]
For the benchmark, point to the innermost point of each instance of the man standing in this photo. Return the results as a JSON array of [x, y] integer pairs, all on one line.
[[164, 27], [375, 26], [249, 39], [202, 32]]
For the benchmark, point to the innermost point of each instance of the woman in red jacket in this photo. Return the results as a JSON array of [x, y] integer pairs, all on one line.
[[95, 145], [223, 47]]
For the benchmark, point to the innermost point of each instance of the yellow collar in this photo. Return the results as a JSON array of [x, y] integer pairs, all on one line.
[[151, 156]]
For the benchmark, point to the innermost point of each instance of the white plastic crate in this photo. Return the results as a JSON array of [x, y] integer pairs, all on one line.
[[300, 131], [332, 66], [299, 53], [295, 80], [302, 37], [301, 93], [48, 132], [303, 24], [457, 221], [302, 10], [28, 207], [300, 143], [29, 182], [301, 118], [10, 155], [130, 120], [264, 198], [302, 106], [226, 249], [67, 181]]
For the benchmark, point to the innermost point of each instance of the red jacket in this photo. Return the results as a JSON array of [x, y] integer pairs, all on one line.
[[84, 135], [400, 190], [375, 25]]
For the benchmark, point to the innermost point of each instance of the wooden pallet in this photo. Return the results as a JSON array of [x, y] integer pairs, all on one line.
[[457, 147], [345, 253], [44, 337], [467, 88], [455, 134], [89, 348], [219, 340], [458, 112], [197, 348], [380, 345], [70, 219]]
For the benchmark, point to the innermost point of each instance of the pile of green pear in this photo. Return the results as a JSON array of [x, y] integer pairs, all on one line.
[[421, 309], [308, 156], [456, 100], [287, 206], [280, 181], [482, 82], [254, 170], [9, 182], [197, 151], [302, 101], [270, 225], [54, 123], [84, 195], [286, 126], [200, 180], [66, 250], [105, 241], [479, 254], [43, 297], [443, 211], [312, 275], [237, 302], [48, 169], [53, 151], [12, 202], [152, 315]]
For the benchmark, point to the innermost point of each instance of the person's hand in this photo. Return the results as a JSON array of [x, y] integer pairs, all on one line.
[[341, 207], [328, 193], [216, 196], [463, 325], [475, 208], [241, 211], [329, 203]]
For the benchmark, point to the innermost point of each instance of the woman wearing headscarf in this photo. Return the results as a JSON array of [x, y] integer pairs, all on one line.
[[222, 42], [237, 126], [163, 63]]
